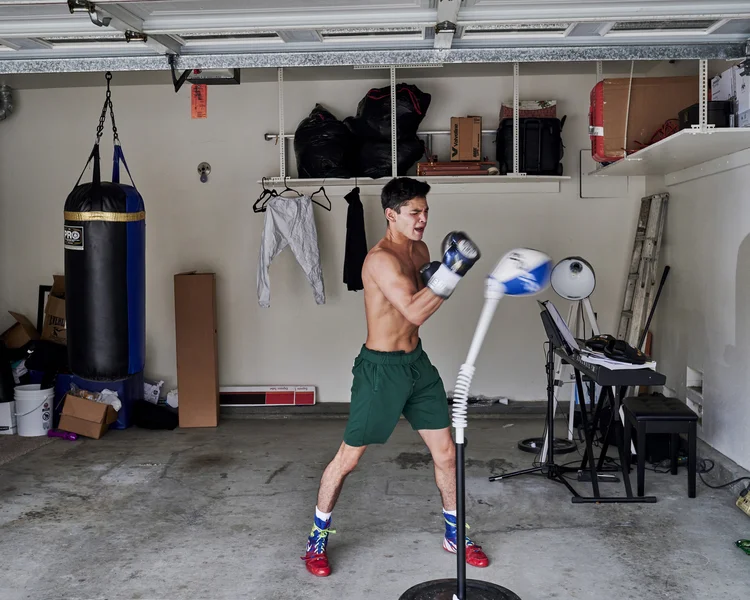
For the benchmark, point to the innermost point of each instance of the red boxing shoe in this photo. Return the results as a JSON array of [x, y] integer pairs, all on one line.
[[316, 559], [317, 564], [475, 556]]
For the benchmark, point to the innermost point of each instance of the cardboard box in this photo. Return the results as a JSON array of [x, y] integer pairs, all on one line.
[[197, 349], [466, 138], [723, 86], [741, 98], [86, 417], [20, 333], [653, 101], [54, 328]]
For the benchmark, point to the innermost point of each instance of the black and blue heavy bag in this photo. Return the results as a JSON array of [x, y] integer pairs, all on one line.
[[105, 273]]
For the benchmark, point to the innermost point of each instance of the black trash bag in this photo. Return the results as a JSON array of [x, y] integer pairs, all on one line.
[[374, 112], [48, 357], [323, 146], [7, 382], [152, 416], [375, 157]]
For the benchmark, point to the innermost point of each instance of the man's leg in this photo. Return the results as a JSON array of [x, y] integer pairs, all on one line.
[[443, 451], [427, 411], [379, 391], [335, 473], [338, 469]]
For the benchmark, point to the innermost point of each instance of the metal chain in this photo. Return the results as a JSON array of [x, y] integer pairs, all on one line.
[[103, 117]]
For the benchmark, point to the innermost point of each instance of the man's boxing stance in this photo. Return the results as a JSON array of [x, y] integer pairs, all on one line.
[[392, 373]]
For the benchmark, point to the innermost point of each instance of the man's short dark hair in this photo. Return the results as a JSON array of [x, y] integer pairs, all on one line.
[[400, 190]]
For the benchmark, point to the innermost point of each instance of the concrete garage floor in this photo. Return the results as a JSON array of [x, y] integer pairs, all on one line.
[[224, 513]]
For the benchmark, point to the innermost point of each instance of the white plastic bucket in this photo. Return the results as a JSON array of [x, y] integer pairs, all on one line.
[[33, 409]]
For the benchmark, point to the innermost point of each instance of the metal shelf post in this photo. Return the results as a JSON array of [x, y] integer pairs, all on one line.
[[703, 95], [281, 138], [516, 140], [394, 128]]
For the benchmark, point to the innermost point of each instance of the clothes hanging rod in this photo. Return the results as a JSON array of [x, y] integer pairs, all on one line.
[[273, 136]]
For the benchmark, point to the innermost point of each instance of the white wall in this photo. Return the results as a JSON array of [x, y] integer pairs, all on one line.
[[194, 226], [704, 313]]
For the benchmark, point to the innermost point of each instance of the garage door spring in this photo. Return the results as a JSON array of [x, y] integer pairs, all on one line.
[[103, 117]]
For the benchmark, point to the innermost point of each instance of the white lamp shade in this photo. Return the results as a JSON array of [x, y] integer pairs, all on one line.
[[573, 278]]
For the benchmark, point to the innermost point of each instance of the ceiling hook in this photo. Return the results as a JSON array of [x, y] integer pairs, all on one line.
[[75, 6], [96, 20]]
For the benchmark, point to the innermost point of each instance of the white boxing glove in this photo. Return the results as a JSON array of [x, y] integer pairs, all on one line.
[[521, 272]]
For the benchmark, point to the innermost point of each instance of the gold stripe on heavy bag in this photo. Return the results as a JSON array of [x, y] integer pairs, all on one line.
[[112, 217]]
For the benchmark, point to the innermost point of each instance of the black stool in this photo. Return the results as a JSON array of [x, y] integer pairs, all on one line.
[[658, 414]]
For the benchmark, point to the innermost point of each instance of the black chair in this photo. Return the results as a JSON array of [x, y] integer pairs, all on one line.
[[658, 414]]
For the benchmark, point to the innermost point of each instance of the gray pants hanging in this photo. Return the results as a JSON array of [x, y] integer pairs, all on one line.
[[290, 222]]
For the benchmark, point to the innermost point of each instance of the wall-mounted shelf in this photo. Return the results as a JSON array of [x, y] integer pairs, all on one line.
[[680, 151], [514, 182], [476, 184]]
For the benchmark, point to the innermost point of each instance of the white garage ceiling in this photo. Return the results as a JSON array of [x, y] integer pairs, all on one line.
[[77, 35]]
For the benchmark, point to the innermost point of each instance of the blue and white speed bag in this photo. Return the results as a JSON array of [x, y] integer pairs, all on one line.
[[521, 272]]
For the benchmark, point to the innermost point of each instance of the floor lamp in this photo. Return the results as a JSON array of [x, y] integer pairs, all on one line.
[[573, 278]]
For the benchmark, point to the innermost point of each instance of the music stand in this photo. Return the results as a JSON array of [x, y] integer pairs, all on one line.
[[556, 340]]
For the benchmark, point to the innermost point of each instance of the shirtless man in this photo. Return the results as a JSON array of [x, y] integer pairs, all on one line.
[[392, 374]]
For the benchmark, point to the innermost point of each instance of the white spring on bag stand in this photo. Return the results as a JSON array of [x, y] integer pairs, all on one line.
[[461, 396]]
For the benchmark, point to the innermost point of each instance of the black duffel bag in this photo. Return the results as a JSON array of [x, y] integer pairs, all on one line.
[[375, 157], [323, 146], [373, 118], [540, 146]]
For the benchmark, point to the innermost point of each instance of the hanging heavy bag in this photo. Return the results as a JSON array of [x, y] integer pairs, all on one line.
[[105, 235]]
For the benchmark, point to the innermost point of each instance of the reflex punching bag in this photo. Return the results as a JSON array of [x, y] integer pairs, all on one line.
[[105, 271]]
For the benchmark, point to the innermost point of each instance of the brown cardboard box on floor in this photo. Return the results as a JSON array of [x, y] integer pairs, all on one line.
[[86, 417], [466, 138], [54, 328], [20, 333], [653, 101], [197, 349]]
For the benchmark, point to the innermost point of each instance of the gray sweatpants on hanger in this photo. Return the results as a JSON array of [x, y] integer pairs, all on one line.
[[290, 222]]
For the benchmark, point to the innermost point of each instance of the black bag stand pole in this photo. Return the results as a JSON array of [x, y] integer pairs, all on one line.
[[460, 588]]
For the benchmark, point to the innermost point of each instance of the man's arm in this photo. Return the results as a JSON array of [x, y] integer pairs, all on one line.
[[400, 291]]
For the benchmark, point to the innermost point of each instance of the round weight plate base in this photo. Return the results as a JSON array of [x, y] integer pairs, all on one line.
[[445, 589], [535, 445]]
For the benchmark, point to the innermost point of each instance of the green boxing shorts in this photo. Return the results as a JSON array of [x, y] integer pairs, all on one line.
[[389, 384]]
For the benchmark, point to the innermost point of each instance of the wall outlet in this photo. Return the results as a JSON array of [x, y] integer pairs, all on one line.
[[694, 380], [697, 408]]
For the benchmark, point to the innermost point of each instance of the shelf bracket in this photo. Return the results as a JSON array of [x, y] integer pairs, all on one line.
[[394, 128], [282, 140], [703, 126], [516, 128], [177, 81]]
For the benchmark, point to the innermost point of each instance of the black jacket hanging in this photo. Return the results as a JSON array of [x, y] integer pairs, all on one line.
[[356, 243]]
